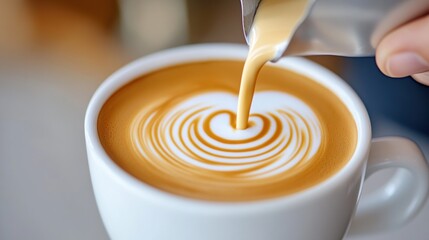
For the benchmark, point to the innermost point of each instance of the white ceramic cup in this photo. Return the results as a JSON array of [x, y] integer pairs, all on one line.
[[131, 209]]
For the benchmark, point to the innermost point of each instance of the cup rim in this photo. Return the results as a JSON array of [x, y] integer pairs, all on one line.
[[210, 51]]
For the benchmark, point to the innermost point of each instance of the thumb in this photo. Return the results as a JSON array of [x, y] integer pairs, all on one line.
[[405, 51]]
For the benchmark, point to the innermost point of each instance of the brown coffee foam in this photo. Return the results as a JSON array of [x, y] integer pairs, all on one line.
[[157, 89]]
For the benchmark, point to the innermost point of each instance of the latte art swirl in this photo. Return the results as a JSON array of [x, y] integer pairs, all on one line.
[[174, 130], [195, 136]]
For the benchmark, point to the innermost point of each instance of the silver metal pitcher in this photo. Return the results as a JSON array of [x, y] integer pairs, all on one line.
[[342, 27]]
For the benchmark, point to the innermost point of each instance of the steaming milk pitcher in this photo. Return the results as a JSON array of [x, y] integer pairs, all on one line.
[[342, 27]]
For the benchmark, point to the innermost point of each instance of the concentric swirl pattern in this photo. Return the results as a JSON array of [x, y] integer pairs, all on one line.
[[195, 136]]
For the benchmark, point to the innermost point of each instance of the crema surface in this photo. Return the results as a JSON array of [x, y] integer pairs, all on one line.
[[175, 130]]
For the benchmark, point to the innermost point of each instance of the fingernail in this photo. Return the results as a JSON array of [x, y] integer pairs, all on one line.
[[405, 64]]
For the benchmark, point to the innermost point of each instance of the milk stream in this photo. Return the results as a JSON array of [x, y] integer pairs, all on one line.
[[274, 23]]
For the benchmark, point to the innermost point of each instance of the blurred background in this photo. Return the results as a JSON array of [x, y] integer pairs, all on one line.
[[54, 54]]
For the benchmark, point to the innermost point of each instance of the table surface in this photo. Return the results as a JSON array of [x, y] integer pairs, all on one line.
[[45, 189]]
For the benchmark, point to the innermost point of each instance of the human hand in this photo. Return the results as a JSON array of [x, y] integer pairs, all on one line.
[[405, 51]]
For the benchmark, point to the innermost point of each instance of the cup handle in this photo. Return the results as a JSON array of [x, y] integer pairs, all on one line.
[[401, 198]]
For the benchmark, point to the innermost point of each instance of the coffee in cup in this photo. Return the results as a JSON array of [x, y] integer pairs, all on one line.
[[133, 206], [174, 129]]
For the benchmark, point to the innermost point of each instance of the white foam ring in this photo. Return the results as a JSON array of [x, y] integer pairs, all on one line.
[[285, 132]]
